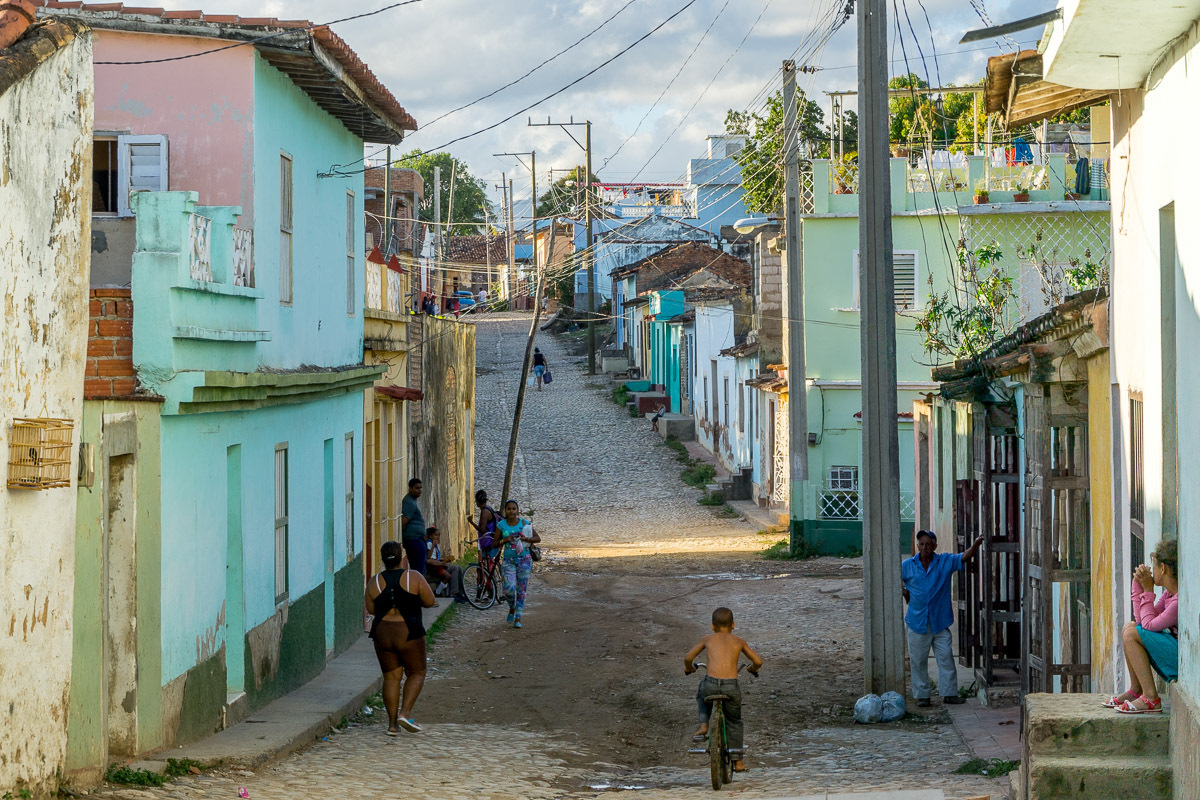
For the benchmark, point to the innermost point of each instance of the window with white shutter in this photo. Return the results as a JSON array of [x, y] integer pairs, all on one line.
[[905, 277], [141, 167], [285, 229]]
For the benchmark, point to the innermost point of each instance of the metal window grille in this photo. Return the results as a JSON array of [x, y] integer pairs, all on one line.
[[285, 229], [349, 460], [1137, 483], [351, 261], [839, 499], [843, 478], [281, 522]]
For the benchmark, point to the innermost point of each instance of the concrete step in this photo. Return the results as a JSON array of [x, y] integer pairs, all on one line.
[[1077, 725], [1100, 778]]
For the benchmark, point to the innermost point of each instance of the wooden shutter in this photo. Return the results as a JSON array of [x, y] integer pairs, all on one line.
[[141, 167]]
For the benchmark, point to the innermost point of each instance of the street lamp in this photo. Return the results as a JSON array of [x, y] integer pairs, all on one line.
[[751, 224]]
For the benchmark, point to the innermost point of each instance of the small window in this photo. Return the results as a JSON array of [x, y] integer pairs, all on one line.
[[281, 522], [349, 457], [843, 479], [285, 229], [351, 261], [105, 183], [904, 276]]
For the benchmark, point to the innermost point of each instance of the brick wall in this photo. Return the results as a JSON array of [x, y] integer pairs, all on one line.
[[110, 345]]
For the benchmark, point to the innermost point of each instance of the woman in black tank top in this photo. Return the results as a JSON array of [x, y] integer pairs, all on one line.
[[395, 597]]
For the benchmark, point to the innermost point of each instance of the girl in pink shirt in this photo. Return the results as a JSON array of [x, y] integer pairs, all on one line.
[[1151, 643]]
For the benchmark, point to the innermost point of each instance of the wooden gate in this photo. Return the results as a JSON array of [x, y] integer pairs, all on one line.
[[989, 506], [1058, 543]]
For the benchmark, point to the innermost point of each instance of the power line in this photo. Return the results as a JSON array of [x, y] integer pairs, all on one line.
[[511, 83], [578, 80]]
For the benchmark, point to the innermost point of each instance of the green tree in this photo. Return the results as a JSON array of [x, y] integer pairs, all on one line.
[[471, 207], [761, 159]]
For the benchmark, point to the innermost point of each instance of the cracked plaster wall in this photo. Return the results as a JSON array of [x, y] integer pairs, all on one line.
[[45, 186]]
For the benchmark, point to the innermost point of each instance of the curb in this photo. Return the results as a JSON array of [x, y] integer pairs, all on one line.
[[294, 721]]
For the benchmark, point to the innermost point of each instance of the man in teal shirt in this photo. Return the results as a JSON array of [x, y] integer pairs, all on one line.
[[930, 614]]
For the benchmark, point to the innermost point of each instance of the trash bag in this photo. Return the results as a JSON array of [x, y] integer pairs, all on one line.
[[868, 709], [893, 707]]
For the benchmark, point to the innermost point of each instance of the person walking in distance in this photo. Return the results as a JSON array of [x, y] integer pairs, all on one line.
[[412, 527], [927, 623], [539, 366], [515, 535], [395, 598]]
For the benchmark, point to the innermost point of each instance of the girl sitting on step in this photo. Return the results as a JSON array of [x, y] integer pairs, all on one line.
[[1151, 642]]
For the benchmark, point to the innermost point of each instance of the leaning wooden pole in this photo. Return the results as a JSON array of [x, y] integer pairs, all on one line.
[[533, 328]]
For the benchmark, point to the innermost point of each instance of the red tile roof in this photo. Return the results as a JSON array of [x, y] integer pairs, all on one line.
[[353, 66], [473, 250]]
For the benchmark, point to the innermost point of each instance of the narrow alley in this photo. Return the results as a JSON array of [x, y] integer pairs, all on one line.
[[590, 696]]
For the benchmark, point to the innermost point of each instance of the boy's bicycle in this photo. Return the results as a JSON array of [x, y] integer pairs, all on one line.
[[482, 581], [720, 758]]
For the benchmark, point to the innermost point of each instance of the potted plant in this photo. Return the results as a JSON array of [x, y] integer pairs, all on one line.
[[1071, 196], [845, 173], [981, 193], [1021, 195]]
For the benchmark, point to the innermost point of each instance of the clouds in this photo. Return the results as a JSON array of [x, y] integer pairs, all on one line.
[[439, 54]]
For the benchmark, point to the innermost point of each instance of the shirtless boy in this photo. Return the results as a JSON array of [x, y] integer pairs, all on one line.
[[724, 649]]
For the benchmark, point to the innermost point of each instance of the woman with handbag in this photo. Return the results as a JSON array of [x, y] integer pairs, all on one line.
[[394, 599], [517, 537]]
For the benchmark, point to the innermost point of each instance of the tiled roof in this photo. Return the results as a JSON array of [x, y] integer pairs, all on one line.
[[34, 47], [475, 249], [676, 262], [294, 50]]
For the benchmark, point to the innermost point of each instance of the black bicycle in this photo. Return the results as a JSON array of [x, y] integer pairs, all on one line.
[[720, 758]]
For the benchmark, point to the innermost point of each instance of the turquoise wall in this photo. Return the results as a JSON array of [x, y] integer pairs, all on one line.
[[315, 329], [194, 537]]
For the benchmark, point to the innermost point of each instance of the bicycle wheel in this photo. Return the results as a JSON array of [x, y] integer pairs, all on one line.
[[480, 589], [716, 744], [726, 766]]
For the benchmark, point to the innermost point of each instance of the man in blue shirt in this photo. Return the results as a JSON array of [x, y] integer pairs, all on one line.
[[412, 527], [930, 614]]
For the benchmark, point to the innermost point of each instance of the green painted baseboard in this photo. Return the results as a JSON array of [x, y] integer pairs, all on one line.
[[348, 583], [203, 699], [828, 537], [301, 651]]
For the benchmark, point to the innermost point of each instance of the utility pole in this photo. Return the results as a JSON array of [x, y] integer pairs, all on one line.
[[437, 230], [512, 245], [793, 309], [533, 327], [883, 623], [387, 203], [587, 220], [532, 208]]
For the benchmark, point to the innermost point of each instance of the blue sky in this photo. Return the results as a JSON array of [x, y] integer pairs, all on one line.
[[436, 55]]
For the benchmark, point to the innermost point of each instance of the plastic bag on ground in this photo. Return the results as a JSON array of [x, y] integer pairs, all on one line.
[[868, 709], [894, 707]]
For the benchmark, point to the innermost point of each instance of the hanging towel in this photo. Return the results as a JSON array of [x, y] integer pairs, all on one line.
[[1083, 176]]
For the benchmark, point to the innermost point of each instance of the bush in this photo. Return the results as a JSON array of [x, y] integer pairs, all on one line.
[[620, 395], [699, 475], [712, 499]]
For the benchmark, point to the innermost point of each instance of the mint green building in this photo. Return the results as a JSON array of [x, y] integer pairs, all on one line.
[[927, 226], [220, 530]]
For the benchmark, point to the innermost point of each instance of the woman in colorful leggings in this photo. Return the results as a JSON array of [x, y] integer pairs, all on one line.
[[515, 535]]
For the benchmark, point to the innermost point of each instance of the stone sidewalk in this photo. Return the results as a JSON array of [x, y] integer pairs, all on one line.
[[298, 718], [991, 733]]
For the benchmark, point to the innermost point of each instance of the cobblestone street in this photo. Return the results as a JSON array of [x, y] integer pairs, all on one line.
[[589, 698]]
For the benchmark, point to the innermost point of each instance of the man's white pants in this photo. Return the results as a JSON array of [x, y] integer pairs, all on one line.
[[918, 658]]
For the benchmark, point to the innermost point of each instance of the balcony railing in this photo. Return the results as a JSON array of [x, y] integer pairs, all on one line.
[[846, 504]]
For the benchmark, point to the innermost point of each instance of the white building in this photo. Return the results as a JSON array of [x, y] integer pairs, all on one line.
[[45, 231]]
